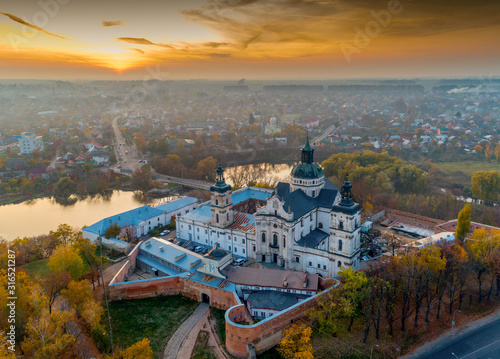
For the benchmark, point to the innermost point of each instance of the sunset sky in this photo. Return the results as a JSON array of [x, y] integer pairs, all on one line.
[[232, 39]]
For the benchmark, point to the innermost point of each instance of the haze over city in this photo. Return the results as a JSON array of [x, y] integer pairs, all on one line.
[[232, 39]]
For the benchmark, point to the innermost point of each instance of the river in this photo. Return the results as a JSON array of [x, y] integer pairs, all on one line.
[[40, 216]]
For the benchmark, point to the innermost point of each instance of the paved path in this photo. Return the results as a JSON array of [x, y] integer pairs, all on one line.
[[180, 334], [477, 340]]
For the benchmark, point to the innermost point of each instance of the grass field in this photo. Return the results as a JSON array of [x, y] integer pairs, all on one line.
[[38, 269], [467, 167], [153, 318]]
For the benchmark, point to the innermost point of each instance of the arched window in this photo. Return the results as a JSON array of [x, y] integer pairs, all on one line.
[[216, 218], [339, 264], [340, 244], [314, 194], [341, 225], [263, 237], [227, 217], [284, 241], [216, 202], [320, 225], [275, 239]]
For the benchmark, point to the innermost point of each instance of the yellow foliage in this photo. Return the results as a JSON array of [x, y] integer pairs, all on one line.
[[66, 260], [92, 312], [295, 343], [77, 294]]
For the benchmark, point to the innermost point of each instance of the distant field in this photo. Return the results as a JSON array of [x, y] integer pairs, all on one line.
[[40, 270], [467, 167]]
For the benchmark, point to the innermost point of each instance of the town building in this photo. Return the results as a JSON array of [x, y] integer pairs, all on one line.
[[305, 225], [29, 142], [272, 128]]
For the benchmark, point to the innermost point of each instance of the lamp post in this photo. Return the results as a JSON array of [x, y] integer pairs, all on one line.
[[454, 355], [105, 296], [453, 320], [371, 351]]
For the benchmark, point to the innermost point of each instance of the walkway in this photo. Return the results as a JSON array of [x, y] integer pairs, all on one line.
[[174, 344]]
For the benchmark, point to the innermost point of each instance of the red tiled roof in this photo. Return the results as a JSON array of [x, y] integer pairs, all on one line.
[[243, 222]]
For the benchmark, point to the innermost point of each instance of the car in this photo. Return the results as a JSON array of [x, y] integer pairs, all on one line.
[[191, 248], [198, 249], [239, 261], [163, 233], [167, 231], [205, 250]]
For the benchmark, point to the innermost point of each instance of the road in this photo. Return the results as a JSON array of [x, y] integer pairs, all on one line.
[[321, 137], [127, 159], [480, 340], [126, 156]]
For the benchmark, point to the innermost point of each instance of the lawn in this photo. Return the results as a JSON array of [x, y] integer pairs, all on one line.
[[38, 269], [154, 318]]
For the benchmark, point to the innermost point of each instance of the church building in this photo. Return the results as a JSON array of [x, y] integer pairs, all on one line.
[[307, 224]]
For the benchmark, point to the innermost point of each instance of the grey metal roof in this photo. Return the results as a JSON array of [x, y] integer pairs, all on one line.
[[314, 238], [271, 299]]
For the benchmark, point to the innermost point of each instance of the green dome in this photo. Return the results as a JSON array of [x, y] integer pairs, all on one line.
[[307, 171]]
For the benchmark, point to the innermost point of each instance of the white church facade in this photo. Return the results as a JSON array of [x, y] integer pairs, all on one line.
[[305, 225]]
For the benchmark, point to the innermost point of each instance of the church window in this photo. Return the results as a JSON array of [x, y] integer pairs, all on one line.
[[235, 250], [263, 237], [243, 240], [253, 248], [302, 222], [217, 219], [297, 259], [310, 264], [227, 217], [320, 225], [339, 264], [275, 225], [198, 230], [216, 202], [227, 201], [243, 250], [341, 225], [314, 194], [229, 247], [275, 239], [324, 267], [340, 244], [284, 241], [319, 266]]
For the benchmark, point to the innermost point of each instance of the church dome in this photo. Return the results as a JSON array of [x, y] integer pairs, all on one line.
[[307, 169]]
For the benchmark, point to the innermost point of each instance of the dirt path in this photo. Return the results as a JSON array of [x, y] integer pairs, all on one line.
[[208, 325], [174, 344]]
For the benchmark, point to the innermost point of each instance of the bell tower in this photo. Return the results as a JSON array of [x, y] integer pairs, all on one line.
[[221, 201]]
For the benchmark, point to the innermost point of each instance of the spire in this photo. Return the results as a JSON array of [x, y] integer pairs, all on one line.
[[346, 192], [221, 185], [307, 152]]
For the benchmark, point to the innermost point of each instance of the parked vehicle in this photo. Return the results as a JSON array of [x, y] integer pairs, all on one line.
[[239, 261], [198, 249]]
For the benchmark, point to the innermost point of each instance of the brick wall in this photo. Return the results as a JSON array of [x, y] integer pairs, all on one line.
[[264, 334]]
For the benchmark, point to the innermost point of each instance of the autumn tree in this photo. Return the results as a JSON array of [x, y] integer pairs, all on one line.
[[295, 343], [463, 223], [140, 142], [65, 187], [113, 231], [139, 350], [66, 260], [66, 234], [77, 293], [486, 185], [92, 312], [142, 180], [87, 251], [481, 245], [46, 335], [53, 284], [207, 167]]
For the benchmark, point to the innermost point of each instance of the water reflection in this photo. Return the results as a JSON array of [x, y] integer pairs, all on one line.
[[41, 215]]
